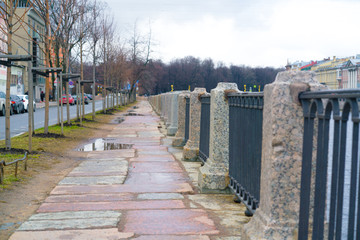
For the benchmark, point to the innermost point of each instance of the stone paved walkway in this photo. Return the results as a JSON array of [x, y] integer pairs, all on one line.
[[143, 193]]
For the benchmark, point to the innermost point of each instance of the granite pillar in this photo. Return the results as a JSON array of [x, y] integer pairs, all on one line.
[[278, 214], [173, 127], [157, 101], [214, 175], [179, 139], [167, 118], [163, 104], [191, 149]]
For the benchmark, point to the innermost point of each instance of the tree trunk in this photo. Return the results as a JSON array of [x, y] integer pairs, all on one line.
[[8, 79], [47, 64]]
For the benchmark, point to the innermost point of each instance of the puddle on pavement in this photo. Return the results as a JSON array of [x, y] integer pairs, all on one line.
[[103, 144]]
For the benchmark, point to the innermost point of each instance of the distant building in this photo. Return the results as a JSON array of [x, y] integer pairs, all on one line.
[[23, 45], [350, 74], [327, 72], [296, 66], [308, 67], [3, 49]]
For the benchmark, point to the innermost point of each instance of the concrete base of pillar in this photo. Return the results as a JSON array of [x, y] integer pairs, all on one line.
[[190, 154], [262, 227], [178, 142], [213, 179], [171, 131]]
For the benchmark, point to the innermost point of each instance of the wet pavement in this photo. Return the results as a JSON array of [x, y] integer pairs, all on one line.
[[144, 193]]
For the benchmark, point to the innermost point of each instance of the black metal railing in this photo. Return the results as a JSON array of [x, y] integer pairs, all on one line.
[[333, 203], [204, 127], [245, 145], [16, 162], [187, 119]]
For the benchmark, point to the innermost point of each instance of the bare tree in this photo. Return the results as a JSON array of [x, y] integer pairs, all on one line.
[[141, 49], [107, 30], [95, 35], [12, 23]]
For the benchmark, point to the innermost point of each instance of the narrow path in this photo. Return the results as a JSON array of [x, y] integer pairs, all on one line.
[[140, 192]]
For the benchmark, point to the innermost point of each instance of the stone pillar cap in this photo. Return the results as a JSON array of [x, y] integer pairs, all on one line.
[[199, 90], [227, 85], [293, 77]]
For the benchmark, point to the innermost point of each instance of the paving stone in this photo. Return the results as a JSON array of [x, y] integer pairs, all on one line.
[[122, 163], [104, 189], [172, 237], [156, 178], [147, 144], [160, 196], [97, 234], [123, 153], [153, 158], [231, 220], [101, 168], [154, 167], [229, 238], [103, 206], [149, 134], [90, 198], [93, 174], [75, 215], [153, 152], [182, 221], [98, 180], [219, 202], [69, 224], [150, 148]]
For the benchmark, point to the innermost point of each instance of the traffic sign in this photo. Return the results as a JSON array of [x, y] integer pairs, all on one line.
[[71, 83]]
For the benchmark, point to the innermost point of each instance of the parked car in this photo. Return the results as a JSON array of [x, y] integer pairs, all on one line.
[[89, 96], [25, 100], [86, 100], [2, 103], [17, 104], [64, 100]]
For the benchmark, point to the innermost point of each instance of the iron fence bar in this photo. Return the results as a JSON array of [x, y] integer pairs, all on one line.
[[335, 171], [354, 168], [320, 177], [358, 216], [187, 119], [204, 128], [333, 94], [341, 175], [306, 172], [245, 132]]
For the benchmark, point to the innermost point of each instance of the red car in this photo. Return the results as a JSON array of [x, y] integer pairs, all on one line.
[[64, 100]]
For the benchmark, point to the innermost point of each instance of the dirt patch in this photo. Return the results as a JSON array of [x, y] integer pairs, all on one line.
[[56, 159]]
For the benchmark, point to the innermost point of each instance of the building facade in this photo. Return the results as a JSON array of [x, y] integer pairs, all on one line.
[[327, 72], [3, 49], [23, 45], [350, 74]]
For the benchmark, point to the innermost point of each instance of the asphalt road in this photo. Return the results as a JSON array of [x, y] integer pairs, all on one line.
[[19, 122]]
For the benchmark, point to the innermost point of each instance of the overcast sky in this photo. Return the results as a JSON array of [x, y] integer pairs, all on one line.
[[249, 32]]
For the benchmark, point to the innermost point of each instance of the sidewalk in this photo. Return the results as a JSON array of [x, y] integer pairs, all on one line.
[[144, 193]]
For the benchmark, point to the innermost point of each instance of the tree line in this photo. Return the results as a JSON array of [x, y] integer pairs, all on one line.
[[190, 72]]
